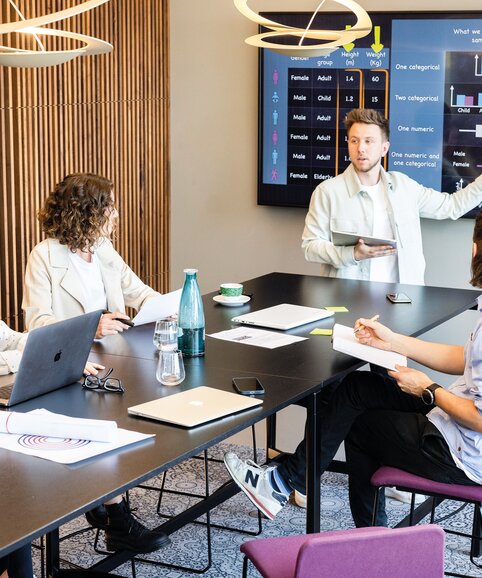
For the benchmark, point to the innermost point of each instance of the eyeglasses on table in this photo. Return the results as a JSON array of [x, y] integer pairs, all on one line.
[[105, 383]]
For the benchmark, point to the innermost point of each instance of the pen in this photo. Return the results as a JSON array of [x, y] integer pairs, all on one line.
[[374, 318], [125, 321]]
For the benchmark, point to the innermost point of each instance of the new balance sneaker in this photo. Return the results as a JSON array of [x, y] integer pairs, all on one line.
[[257, 483]]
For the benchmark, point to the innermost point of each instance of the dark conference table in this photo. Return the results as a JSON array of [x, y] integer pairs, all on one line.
[[53, 494]]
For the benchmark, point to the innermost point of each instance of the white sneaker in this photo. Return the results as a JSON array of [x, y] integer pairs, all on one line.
[[255, 482], [405, 497]]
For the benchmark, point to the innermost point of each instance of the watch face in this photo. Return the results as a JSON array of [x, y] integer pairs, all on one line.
[[428, 397]]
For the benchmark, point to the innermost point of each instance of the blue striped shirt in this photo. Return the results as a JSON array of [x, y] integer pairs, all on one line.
[[465, 444]]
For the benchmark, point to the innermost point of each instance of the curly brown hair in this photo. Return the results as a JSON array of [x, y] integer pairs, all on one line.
[[77, 211], [476, 267], [367, 116]]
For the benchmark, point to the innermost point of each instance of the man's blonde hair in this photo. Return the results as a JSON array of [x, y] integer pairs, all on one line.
[[367, 116]]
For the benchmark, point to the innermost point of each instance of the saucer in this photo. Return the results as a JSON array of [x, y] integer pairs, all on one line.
[[231, 301]]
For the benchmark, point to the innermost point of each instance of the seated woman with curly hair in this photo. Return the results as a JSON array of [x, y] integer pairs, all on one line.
[[76, 270]]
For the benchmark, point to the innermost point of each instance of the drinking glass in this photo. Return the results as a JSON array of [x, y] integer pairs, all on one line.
[[165, 334], [170, 367]]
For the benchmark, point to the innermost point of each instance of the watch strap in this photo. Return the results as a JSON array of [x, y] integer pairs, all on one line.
[[433, 386], [428, 394]]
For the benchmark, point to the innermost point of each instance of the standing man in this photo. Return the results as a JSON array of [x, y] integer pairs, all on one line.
[[367, 200]]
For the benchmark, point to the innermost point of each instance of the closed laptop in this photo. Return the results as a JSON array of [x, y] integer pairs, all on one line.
[[194, 407]]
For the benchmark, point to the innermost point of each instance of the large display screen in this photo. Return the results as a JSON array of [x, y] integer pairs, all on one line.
[[421, 70]]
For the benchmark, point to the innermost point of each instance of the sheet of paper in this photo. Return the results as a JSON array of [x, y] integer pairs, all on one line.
[[158, 308], [344, 340], [41, 422], [67, 450], [258, 337]]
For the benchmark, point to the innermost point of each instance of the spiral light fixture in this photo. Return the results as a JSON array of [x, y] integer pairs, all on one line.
[[332, 39], [36, 58]]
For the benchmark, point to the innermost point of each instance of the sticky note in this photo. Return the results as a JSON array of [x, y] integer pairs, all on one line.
[[319, 331], [337, 309]]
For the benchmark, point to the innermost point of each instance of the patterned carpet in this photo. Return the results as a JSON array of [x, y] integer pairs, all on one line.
[[189, 546]]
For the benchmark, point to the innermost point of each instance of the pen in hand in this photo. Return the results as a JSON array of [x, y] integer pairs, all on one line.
[[125, 321], [374, 318]]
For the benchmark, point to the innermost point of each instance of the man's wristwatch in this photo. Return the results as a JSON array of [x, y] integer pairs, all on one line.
[[428, 394]]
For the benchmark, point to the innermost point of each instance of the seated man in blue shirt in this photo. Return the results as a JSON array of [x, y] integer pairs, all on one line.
[[402, 419]]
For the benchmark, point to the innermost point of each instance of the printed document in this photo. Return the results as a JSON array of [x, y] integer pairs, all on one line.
[[258, 337], [65, 450]]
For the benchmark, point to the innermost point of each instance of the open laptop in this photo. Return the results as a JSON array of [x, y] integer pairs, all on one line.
[[194, 407], [284, 316], [54, 356]]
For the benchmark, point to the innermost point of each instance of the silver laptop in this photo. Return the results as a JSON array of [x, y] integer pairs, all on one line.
[[194, 407], [54, 356], [284, 316]]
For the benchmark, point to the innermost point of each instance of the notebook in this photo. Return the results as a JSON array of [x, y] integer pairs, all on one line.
[[194, 407], [344, 340], [284, 316], [350, 239], [54, 356]]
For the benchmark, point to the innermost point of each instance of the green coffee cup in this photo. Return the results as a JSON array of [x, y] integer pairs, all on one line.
[[231, 289]]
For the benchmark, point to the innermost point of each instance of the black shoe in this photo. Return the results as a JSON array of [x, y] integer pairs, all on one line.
[[97, 517], [124, 532]]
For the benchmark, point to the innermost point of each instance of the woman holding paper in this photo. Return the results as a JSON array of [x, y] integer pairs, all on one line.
[[402, 420], [76, 268]]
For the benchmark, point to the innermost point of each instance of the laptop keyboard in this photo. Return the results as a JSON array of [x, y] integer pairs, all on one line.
[[5, 391]]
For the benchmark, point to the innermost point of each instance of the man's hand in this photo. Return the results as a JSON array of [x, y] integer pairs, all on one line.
[[363, 251], [374, 334], [410, 380]]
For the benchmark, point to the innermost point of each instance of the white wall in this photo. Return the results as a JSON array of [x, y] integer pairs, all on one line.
[[217, 226]]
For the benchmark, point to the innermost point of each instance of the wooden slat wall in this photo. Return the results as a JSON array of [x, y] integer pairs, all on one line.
[[105, 114]]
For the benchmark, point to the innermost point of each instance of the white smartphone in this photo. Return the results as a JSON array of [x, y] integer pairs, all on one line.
[[398, 298]]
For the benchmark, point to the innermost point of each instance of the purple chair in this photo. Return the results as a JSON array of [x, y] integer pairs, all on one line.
[[387, 476], [416, 552]]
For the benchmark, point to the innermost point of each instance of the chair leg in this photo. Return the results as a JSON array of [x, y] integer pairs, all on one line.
[[375, 504], [476, 535], [245, 567]]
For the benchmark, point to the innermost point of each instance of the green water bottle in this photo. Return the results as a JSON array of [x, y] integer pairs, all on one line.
[[191, 317]]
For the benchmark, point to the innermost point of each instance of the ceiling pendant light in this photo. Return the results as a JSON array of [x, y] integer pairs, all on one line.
[[36, 58], [332, 39]]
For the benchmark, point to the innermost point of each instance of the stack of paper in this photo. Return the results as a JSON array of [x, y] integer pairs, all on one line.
[[344, 340], [42, 423]]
